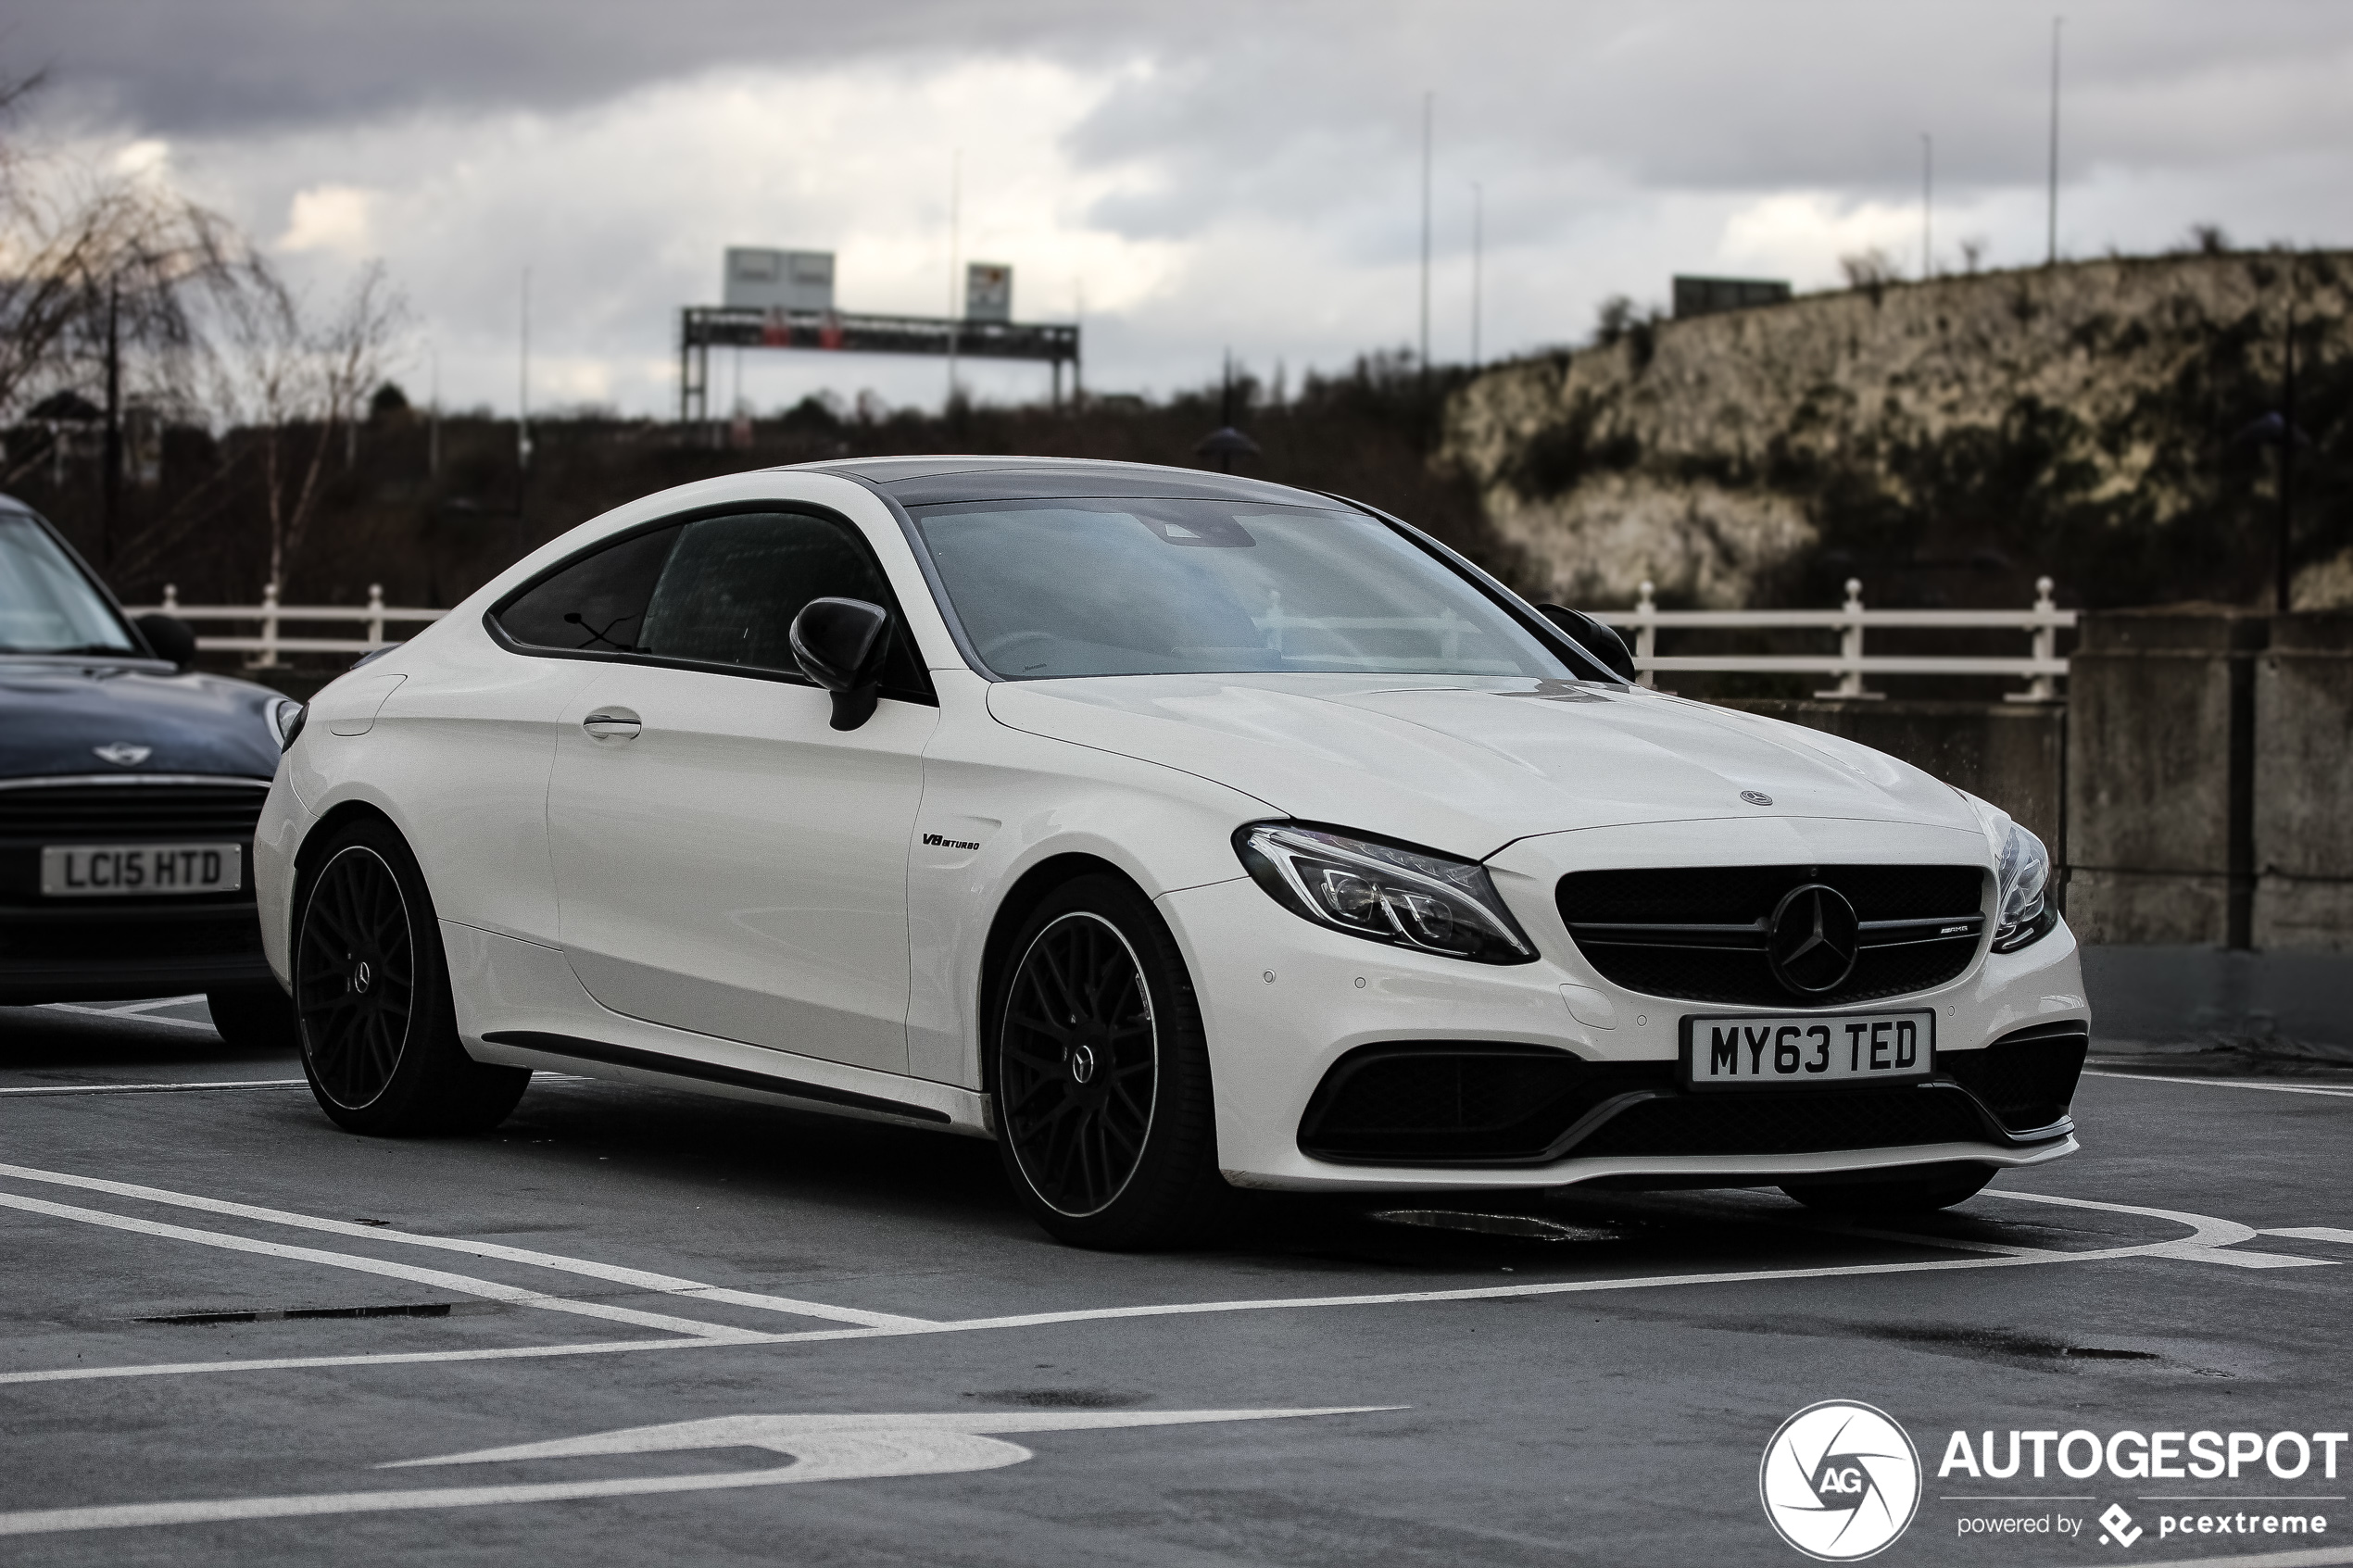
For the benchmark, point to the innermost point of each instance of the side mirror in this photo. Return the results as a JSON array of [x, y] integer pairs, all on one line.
[[840, 643], [1596, 637], [170, 637]]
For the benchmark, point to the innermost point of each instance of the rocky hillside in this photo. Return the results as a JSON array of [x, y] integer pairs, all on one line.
[[1945, 442]]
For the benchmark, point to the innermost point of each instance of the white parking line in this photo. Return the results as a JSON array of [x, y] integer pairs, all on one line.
[[2208, 1242], [464, 1284], [638, 1279], [160, 1088], [2225, 1084]]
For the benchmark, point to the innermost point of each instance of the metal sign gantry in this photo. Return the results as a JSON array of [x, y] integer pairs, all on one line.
[[703, 327]]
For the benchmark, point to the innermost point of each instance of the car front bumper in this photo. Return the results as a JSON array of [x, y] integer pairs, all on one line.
[[1284, 1000]]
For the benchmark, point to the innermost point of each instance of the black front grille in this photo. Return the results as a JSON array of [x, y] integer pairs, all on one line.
[[83, 813], [2026, 1078], [1441, 1102], [1433, 1102], [1700, 933], [1792, 1122]]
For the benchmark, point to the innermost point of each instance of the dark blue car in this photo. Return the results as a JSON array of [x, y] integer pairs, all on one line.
[[129, 786]]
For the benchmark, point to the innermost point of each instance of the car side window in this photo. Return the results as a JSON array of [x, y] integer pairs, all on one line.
[[597, 604], [730, 590]]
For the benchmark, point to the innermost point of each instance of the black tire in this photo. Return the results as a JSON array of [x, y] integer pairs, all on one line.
[[1105, 1117], [378, 1031], [253, 1018], [1931, 1187]]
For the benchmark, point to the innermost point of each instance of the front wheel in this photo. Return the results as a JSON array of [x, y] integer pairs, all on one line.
[[253, 1017], [1106, 1120], [1930, 1188], [371, 999]]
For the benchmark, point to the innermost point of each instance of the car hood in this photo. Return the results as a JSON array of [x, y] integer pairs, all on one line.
[[1469, 765], [55, 715]]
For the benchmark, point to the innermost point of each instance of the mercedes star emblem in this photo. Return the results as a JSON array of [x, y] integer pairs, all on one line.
[[1757, 797], [1812, 939], [122, 754]]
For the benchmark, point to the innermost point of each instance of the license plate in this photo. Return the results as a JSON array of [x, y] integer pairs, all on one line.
[[1762, 1051], [97, 870]]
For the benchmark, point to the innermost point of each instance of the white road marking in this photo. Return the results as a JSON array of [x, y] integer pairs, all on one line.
[[638, 1279], [2313, 1233], [132, 1016], [2208, 1242], [160, 1088], [464, 1284], [822, 1447], [2226, 1084]]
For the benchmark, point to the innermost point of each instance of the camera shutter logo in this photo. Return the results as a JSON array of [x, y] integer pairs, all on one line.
[[1840, 1481]]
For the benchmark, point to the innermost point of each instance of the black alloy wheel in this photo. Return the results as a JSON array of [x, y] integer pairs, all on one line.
[[1105, 1117], [357, 991], [1081, 1063], [371, 999]]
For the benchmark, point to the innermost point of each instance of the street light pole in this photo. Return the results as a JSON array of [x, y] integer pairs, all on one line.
[[1428, 102], [2051, 255], [2283, 569], [1478, 258], [1927, 194]]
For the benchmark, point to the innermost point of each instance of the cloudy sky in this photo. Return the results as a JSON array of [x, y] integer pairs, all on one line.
[[1182, 178]]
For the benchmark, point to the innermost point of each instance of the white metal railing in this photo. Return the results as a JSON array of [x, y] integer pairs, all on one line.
[[2041, 668], [261, 652]]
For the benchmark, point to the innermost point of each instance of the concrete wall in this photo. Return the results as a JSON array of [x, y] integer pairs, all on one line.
[[2197, 787]]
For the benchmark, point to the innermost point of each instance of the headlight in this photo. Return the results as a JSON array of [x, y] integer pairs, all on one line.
[[1383, 893], [2022, 912], [286, 721]]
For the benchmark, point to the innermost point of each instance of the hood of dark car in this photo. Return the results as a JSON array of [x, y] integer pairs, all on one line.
[[78, 717]]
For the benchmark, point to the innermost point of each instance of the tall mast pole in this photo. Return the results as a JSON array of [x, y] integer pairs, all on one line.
[[2051, 253], [1429, 105]]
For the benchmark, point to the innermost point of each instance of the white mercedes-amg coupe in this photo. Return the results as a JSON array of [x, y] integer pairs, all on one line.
[[1181, 833]]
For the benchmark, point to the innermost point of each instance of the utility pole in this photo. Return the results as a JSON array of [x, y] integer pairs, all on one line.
[[1479, 223], [433, 416], [2051, 255], [522, 417], [1429, 105], [110, 482], [1927, 194], [955, 218]]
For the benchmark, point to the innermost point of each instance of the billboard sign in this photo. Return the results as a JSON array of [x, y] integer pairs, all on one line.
[[988, 292], [779, 279]]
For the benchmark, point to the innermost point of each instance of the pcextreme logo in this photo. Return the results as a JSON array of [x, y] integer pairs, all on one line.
[[1840, 1481]]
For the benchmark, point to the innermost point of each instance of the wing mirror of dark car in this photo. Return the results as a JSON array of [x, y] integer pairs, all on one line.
[[1596, 637], [840, 643], [170, 637]]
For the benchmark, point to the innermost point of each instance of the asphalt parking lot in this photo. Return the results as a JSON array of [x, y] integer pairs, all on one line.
[[634, 1326]]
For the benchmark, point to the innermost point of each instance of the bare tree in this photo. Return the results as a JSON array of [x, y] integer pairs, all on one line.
[[94, 264], [1870, 269], [293, 377]]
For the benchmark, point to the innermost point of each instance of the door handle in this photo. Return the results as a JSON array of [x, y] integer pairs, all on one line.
[[612, 726]]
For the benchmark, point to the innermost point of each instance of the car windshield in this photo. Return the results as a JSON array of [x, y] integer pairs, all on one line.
[[46, 606], [1086, 586]]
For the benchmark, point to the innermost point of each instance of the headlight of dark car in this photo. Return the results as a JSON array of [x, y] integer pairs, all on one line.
[[286, 721], [1383, 892]]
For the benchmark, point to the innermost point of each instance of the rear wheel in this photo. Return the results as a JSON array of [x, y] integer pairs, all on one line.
[[378, 1031], [1933, 1188], [253, 1017], [1106, 1120]]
